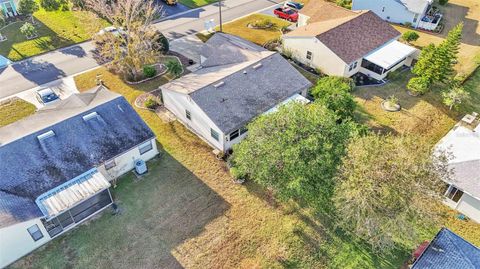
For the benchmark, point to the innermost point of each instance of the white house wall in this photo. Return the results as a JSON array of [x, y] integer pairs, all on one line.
[[16, 242], [200, 123], [126, 161], [469, 206], [322, 57], [302, 20], [393, 12]]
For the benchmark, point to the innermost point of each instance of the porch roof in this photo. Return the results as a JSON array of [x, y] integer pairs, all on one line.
[[390, 54], [72, 192]]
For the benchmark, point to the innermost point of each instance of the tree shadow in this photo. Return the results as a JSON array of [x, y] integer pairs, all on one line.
[[76, 50], [38, 72]]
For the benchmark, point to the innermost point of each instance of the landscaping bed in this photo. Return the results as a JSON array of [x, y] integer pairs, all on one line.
[[196, 3]]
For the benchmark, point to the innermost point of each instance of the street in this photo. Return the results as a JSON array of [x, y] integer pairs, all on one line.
[[54, 65]]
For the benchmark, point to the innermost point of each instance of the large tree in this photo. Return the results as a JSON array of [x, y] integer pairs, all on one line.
[[137, 42], [334, 93], [294, 151], [387, 188], [27, 8]]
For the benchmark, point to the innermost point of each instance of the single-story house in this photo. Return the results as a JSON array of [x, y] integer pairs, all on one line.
[[237, 82], [56, 166], [448, 251], [9, 8], [463, 188], [343, 43], [418, 13]]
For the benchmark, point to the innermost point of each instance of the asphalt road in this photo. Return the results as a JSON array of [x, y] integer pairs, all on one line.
[[54, 65]]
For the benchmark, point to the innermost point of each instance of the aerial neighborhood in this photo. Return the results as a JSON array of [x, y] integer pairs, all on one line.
[[240, 134]]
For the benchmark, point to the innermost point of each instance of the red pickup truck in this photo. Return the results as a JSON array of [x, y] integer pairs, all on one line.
[[286, 13]]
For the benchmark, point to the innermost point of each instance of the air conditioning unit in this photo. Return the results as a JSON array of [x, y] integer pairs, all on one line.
[[140, 167]]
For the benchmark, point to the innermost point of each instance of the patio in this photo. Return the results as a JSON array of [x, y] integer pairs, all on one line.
[[431, 20]]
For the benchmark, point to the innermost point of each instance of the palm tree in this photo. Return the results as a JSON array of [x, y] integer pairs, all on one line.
[[174, 68]]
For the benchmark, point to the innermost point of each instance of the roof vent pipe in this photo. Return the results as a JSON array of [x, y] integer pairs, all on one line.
[[257, 66], [220, 84]]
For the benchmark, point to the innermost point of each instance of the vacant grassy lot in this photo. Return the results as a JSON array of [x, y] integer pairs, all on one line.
[[15, 109], [55, 29], [196, 3], [258, 36]]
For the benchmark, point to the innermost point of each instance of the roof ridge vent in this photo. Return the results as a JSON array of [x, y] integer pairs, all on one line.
[[46, 135], [220, 84], [257, 66], [89, 116]]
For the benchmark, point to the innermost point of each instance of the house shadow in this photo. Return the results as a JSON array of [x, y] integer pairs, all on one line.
[[165, 209], [453, 14]]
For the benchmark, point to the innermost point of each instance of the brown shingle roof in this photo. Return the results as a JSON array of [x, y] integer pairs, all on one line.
[[352, 37], [324, 11]]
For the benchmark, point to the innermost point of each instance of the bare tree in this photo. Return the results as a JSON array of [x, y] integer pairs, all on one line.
[[135, 41]]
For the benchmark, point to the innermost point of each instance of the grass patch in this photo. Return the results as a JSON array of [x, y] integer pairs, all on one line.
[[55, 29], [15, 109], [258, 36], [196, 3]]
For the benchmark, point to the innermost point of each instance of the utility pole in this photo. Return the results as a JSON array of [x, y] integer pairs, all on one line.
[[220, 12]]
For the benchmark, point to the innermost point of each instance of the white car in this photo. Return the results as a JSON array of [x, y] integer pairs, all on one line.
[[46, 96], [113, 30]]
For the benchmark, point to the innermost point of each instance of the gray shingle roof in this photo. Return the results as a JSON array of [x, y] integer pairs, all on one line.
[[31, 167], [466, 176], [246, 91], [245, 96], [449, 251]]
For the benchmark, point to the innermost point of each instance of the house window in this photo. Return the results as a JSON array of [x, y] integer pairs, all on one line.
[[383, 9], [234, 134], [352, 66], [144, 148], [188, 114], [309, 55], [214, 134], [415, 18], [243, 130], [110, 164], [454, 194], [35, 232]]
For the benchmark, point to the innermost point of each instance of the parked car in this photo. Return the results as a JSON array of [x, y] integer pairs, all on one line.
[[46, 96], [170, 2], [293, 5], [286, 13], [111, 29]]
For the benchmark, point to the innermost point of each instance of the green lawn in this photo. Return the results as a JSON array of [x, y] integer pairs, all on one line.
[[15, 109], [258, 36], [55, 29], [196, 3]]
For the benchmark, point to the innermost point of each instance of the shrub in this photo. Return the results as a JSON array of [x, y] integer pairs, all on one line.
[[236, 174], [334, 93], [442, 2], [410, 36], [392, 100], [28, 29], [162, 42], [288, 53], [151, 103], [418, 85], [149, 71], [174, 68], [51, 5], [263, 23], [408, 24], [344, 3]]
